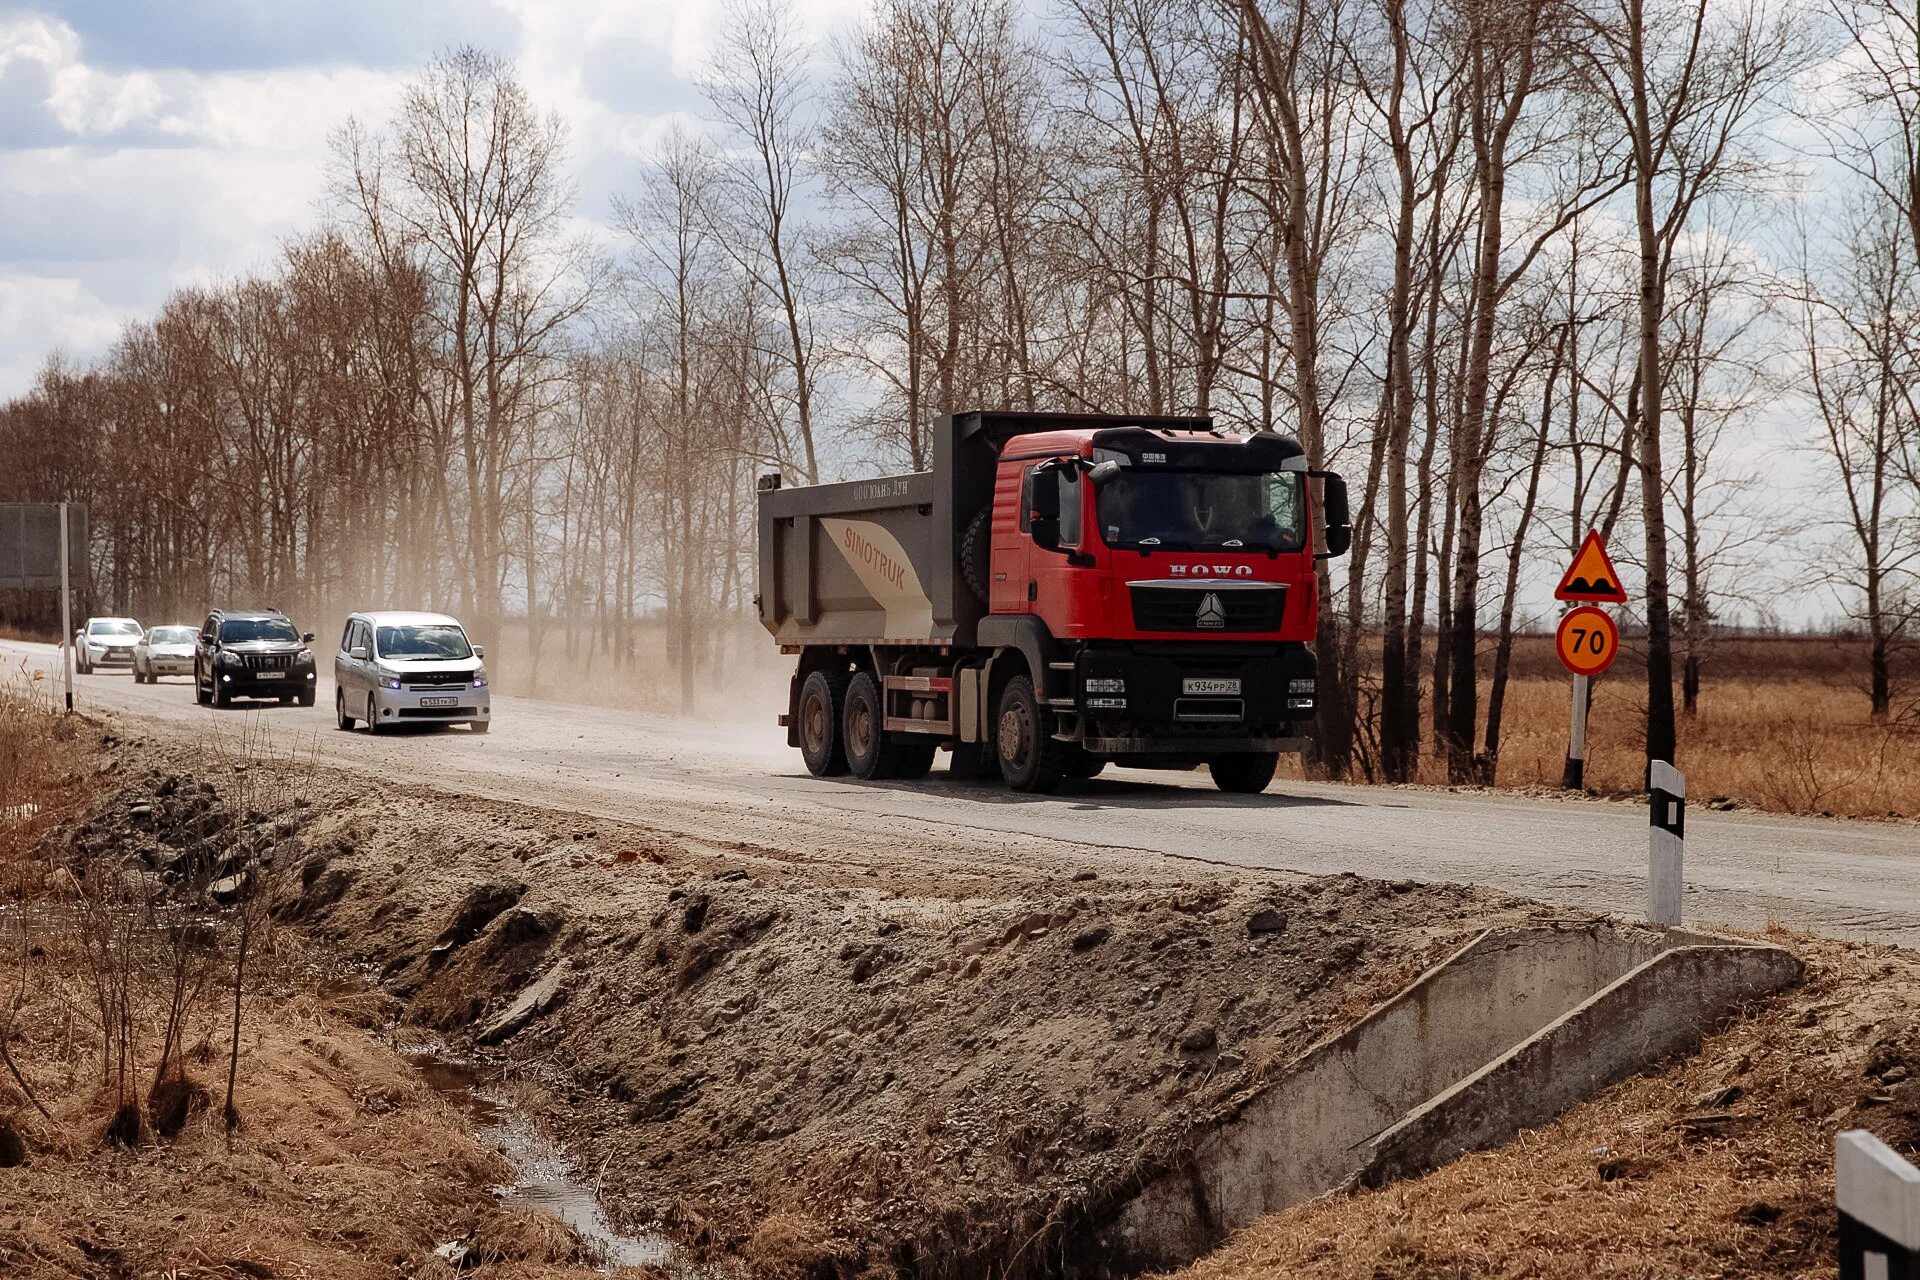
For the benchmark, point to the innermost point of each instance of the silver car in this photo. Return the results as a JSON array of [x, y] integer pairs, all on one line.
[[409, 668], [105, 642], [163, 651]]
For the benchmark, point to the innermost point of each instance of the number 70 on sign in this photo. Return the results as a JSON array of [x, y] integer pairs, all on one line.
[[1587, 641]]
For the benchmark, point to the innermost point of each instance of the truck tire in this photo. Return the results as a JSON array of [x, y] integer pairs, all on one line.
[[863, 729], [1244, 773], [976, 546], [822, 696], [1030, 759]]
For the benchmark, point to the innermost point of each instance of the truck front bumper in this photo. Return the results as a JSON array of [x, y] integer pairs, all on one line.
[[1193, 699]]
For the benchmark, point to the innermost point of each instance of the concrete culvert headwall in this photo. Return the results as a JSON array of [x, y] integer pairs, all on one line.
[[1504, 1034]]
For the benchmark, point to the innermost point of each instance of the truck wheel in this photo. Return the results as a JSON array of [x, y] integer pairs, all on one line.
[[863, 730], [821, 699], [1244, 773], [976, 545], [1030, 760]]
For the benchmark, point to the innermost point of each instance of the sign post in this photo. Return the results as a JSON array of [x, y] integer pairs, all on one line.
[[1878, 1196], [66, 610], [1587, 641]]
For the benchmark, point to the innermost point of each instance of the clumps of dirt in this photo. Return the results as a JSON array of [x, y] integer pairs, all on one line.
[[1720, 1165]]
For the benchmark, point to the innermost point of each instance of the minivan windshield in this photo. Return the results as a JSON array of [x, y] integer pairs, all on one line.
[[114, 627], [1195, 510], [240, 630], [170, 635], [424, 640]]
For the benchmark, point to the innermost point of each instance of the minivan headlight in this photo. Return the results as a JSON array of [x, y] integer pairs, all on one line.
[[390, 682], [480, 678]]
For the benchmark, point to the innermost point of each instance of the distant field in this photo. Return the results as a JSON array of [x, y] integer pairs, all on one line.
[[1782, 725]]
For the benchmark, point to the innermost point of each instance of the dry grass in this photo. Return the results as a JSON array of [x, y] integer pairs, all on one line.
[[345, 1163], [1782, 725], [1720, 1165]]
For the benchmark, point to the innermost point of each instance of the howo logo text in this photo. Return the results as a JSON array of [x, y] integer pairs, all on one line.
[[1211, 570]]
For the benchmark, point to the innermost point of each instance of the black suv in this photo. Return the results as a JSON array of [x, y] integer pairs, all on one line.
[[253, 653]]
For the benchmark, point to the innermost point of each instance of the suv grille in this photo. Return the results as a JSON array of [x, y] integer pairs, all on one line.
[[269, 661], [1197, 608]]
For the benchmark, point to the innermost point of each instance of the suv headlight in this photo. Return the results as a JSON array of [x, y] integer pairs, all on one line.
[[227, 659]]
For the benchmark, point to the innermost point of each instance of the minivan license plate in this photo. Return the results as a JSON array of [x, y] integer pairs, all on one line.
[[439, 702], [1194, 684]]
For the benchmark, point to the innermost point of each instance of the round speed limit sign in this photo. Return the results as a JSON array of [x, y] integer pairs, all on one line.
[[1587, 641]]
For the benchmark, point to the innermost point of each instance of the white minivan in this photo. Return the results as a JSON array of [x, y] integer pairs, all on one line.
[[409, 668]]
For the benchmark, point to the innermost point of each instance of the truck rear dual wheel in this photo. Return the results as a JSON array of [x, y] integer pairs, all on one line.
[[1244, 773], [822, 699], [871, 753], [1030, 758]]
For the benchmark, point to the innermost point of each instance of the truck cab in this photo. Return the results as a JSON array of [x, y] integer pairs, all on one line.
[[1060, 592]]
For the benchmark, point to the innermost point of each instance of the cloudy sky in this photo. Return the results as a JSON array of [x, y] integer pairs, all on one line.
[[148, 144]]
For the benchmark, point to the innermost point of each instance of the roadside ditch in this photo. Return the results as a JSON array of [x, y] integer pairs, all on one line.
[[709, 1060]]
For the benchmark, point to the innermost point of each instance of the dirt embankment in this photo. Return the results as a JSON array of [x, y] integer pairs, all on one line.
[[827, 1072], [816, 1068]]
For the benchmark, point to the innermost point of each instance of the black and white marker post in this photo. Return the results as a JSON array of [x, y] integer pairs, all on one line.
[[68, 657], [1878, 1195], [1667, 816]]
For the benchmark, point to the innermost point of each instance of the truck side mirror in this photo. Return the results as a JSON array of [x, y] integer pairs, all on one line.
[[1337, 516], [1103, 473]]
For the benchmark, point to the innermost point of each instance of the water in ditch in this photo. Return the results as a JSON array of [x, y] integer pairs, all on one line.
[[543, 1178]]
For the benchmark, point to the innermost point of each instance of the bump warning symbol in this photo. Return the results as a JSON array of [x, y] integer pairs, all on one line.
[[1591, 577]]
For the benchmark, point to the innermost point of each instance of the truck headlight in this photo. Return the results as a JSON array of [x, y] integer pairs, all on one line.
[[1104, 684]]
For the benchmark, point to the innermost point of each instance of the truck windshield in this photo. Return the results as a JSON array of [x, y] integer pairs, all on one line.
[[430, 641], [241, 630], [1195, 510]]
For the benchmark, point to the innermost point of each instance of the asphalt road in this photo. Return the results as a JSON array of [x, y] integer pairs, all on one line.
[[739, 786]]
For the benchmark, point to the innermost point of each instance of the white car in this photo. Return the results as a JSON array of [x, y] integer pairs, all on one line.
[[105, 642], [409, 668], [163, 651]]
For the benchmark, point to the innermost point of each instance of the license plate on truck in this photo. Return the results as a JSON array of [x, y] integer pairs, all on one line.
[[1205, 685], [439, 702]]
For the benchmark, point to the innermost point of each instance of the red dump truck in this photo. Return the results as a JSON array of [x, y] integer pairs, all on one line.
[[1060, 592]]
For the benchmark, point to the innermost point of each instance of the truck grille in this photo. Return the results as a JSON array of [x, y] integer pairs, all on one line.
[[1196, 608]]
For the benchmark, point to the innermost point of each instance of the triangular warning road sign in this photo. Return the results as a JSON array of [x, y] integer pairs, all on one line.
[[1591, 576]]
